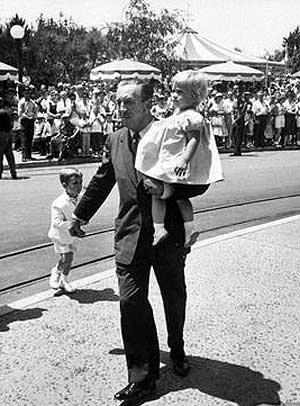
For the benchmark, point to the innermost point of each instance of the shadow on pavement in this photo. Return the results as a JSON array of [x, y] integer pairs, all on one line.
[[86, 296], [19, 315], [15, 179], [218, 379]]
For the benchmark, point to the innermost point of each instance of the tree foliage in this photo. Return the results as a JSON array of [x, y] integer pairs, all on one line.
[[144, 36], [58, 50], [291, 44]]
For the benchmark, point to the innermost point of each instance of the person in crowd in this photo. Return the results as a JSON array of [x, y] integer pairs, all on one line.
[[249, 119], [61, 216], [66, 140], [85, 129], [216, 113], [278, 113], [108, 103], [159, 107], [96, 120], [180, 151], [63, 104], [108, 125], [52, 107], [116, 119], [42, 100], [135, 253], [16, 131], [239, 122], [6, 140], [260, 110], [50, 132], [228, 107], [27, 111], [74, 114], [39, 126], [290, 119]]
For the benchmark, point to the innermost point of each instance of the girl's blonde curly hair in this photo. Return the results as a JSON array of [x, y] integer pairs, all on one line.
[[194, 82]]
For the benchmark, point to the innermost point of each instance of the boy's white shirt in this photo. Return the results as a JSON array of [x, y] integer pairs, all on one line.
[[61, 215]]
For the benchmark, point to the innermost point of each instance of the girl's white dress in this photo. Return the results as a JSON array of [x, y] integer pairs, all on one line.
[[166, 140]]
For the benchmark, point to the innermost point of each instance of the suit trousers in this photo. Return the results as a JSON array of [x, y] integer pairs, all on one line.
[[6, 150], [137, 322], [27, 137]]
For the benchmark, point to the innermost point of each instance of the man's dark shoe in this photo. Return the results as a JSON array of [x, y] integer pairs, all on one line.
[[181, 368], [136, 390]]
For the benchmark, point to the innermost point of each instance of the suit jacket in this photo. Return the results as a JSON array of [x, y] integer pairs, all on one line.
[[133, 225]]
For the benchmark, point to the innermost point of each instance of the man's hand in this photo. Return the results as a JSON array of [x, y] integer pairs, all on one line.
[[153, 186], [75, 230]]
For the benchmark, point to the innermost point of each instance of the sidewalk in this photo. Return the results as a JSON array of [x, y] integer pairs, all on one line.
[[242, 331]]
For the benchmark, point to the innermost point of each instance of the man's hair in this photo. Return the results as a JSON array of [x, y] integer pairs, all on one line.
[[66, 174], [147, 88]]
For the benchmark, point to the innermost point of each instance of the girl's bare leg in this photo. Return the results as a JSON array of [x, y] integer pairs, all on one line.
[[158, 214], [186, 209]]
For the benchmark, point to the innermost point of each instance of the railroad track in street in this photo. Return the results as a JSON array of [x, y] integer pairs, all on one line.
[[107, 231]]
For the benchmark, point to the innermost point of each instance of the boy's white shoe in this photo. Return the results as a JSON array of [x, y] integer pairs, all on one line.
[[54, 280], [65, 285]]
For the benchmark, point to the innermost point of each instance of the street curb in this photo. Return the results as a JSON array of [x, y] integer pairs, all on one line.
[[40, 163], [80, 283]]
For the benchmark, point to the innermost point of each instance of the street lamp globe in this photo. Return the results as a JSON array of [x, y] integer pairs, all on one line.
[[17, 31]]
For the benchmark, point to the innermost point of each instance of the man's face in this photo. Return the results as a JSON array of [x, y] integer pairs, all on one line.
[[131, 107]]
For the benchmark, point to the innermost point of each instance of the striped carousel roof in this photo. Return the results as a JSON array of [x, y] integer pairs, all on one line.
[[193, 48]]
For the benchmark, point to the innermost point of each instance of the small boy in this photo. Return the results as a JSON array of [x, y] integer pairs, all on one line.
[[61, 214]]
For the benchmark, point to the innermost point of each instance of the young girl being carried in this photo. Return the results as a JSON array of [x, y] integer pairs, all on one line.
[[180, 151]]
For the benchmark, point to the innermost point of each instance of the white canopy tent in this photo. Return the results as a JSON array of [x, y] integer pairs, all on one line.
[[230, 71], [8, 72], [124, 69]]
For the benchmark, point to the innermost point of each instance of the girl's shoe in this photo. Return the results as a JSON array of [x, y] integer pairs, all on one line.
[[159, 236], [65, 285], [193, 238]]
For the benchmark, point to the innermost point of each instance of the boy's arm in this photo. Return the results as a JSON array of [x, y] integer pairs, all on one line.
[[58, 219]]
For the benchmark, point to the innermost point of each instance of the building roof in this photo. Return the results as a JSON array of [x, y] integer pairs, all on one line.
[[193, 48]]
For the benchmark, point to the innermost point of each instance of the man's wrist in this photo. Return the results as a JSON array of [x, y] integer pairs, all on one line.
[[78, 220]]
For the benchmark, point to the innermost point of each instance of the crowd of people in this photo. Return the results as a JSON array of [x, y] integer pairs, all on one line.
[[65, 121]]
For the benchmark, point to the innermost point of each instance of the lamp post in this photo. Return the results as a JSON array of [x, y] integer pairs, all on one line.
[[17, 32]]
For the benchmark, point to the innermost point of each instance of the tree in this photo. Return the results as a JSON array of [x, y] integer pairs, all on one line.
[[291, 45], [144, 36]]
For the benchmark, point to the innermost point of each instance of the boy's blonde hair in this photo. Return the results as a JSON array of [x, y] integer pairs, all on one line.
[[66, 174], [194, 82]]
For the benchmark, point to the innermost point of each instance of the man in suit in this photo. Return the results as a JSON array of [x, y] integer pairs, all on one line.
[[134, 251]]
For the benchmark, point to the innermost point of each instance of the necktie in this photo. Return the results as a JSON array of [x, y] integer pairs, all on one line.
[[134, 142]]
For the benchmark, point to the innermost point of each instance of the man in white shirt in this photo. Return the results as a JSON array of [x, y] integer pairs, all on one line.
[[261, 111]]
